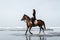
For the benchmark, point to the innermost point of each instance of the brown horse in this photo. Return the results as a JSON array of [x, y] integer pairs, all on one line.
[[39, 23]]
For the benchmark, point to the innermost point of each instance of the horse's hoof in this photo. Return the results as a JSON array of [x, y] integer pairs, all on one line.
[[25, 34], [32, 33]]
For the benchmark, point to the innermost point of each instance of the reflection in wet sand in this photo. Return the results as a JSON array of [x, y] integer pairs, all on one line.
[[29, 37], [47, 36]]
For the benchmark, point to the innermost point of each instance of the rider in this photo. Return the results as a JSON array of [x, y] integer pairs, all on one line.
[[34, 16]]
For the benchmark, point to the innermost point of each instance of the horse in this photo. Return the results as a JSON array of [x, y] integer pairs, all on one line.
[[39, 23]]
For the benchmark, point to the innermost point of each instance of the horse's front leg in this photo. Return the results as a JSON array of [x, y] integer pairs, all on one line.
[[30, 30], [26, 31]]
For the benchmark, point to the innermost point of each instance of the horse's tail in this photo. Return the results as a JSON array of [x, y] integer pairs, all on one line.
[[44, 25]]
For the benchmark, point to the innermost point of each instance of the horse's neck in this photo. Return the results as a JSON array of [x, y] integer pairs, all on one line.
[[27, 20]]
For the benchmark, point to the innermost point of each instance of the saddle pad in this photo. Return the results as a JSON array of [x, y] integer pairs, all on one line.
[[35, 22]]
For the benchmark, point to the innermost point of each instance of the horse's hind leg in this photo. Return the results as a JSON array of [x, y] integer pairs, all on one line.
[[43, 30], [26, 31], [30, 29], [40, 30]]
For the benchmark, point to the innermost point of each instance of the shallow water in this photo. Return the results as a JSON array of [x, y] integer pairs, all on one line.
[[19, 35]]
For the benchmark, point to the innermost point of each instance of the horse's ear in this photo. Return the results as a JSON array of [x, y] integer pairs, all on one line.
[[24, 14]]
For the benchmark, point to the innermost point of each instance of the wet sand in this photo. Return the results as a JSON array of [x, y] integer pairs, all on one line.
[[19, 35]]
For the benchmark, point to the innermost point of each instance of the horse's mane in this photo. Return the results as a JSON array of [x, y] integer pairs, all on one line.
[[27, 16]]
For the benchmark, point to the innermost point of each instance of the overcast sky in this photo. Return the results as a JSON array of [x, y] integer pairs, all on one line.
[[11, 12]]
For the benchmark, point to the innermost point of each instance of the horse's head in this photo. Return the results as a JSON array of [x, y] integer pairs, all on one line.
[[23, 18]]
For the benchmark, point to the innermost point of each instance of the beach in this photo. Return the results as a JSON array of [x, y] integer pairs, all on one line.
[[20, 35]]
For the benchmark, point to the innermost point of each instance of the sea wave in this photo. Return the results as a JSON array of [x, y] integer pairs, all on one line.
[[23, 29]]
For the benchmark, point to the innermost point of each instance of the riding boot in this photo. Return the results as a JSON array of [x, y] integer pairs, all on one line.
[[33, 23]]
